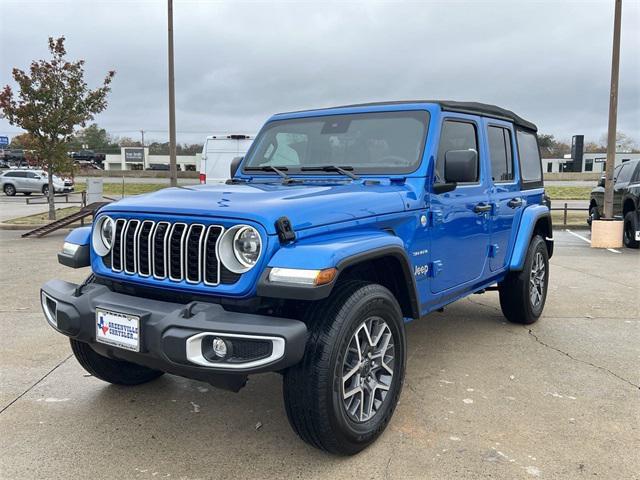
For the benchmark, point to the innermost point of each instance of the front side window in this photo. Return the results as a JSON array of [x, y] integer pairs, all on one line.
[[378, 142], [501, 154], [625, 173], [456, 135], [530, 166]]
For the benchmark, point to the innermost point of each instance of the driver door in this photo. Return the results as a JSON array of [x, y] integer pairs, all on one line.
[[460, 228]]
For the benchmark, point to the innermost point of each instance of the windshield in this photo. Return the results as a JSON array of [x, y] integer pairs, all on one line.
[[379, 142]]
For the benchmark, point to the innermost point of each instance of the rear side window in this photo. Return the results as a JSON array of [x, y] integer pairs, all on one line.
[[455, 136], [501, 154], [636, 175], [530, 166]]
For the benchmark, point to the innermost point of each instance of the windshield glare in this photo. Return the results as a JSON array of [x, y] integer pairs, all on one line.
[[379, 142]]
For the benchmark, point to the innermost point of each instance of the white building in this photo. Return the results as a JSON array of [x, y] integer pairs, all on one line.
[[138, 158], [591, 162]]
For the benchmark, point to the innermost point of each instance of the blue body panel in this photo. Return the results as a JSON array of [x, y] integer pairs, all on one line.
[[79, 236], [452, 250], [523, 233]]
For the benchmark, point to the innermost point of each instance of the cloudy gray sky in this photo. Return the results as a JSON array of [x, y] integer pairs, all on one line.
[[238, 62]]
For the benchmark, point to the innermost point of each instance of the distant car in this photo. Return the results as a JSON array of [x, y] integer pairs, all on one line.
[[87, 156], [158, 166], [626, 201], [31, 181], [4, 164]]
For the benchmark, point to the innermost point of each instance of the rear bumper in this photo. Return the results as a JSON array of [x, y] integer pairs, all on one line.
[[173, 335]]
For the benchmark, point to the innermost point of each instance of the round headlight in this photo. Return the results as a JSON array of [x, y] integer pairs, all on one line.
[[246, 246], [102, 237], [240, 248]]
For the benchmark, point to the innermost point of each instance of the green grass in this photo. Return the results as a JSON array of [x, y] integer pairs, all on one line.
[[574, 219], [42, 218], [129, 188], [568, 193]]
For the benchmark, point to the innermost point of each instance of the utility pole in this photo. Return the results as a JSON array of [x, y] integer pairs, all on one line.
[[172, 102], [613, 113], [144, 163]]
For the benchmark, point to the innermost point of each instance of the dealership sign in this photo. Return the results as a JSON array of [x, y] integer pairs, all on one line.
[[134, 155], [4, 140]]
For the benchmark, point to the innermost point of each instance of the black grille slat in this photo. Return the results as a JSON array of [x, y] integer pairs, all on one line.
[[211, 263], [158, 247], [176, 238], [144, 251], [130, 247], [192, 253], [116, 253]]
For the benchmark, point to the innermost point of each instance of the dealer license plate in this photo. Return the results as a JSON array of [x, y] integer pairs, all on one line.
[[118, 329]]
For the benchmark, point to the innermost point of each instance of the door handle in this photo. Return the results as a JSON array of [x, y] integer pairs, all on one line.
[[482, 208], [515, 203]]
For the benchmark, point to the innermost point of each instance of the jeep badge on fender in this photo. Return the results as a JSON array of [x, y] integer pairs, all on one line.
[[337, 227]]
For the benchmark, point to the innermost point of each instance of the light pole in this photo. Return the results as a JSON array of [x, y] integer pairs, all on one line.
[[172, 102], [613, 114]]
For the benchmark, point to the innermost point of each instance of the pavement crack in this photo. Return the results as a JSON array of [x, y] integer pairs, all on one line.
[[36, 383], [604, 369]]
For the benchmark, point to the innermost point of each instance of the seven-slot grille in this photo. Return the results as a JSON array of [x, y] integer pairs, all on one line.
[[177, 251]]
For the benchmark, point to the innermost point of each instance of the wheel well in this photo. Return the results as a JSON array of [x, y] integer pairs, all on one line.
[[389, 272], [628, 207], [544, 229]]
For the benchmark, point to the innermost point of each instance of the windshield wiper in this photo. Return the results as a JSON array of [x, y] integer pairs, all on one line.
[[270, 168], [333, 168]]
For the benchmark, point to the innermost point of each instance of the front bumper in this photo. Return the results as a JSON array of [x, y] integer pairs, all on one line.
[[172, 335]]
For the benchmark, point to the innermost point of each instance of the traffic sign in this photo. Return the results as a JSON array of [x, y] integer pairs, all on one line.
[[4, 140]]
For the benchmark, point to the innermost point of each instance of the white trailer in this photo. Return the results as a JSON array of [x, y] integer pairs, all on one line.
[[218, 152]]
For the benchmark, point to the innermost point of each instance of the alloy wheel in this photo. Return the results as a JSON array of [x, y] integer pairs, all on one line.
[[537, 280], [368, 369]]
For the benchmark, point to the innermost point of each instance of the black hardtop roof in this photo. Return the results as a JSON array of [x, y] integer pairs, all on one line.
[[475, 108]]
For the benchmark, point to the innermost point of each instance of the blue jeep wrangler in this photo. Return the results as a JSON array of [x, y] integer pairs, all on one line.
[[338, 227]]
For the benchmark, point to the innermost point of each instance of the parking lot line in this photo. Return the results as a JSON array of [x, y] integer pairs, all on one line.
[[613, 250]]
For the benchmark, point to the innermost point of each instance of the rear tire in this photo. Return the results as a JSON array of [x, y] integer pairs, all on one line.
[[342, 394], [630, 228], [593, 215], [9, 190], [523, 294], [110, 370]]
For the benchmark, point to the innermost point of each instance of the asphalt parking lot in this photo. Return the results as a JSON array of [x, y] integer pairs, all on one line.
[[482, 398]]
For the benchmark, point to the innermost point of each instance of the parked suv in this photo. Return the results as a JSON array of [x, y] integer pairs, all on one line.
[[338, 227], [626, 201], [31, 181]]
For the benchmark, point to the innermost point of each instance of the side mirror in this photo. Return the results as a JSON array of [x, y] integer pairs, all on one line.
[[461, 166], [235, 163], [601, 182]]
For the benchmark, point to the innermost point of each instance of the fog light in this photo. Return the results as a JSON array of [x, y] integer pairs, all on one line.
[[219, 347]]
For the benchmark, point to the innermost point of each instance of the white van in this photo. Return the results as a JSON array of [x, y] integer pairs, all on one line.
[[217, 154]]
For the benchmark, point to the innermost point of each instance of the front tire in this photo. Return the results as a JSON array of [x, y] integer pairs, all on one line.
[[45, 190], [630, 227], [110, 370], [342, 394], [523, 294]]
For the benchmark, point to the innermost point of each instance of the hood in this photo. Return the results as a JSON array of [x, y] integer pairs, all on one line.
[[305, 205]]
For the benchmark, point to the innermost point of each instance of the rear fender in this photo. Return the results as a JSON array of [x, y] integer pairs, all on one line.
[[530, 218]]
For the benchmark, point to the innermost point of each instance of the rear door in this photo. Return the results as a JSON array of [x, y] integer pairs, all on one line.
[[621, 183], [505, 192]]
